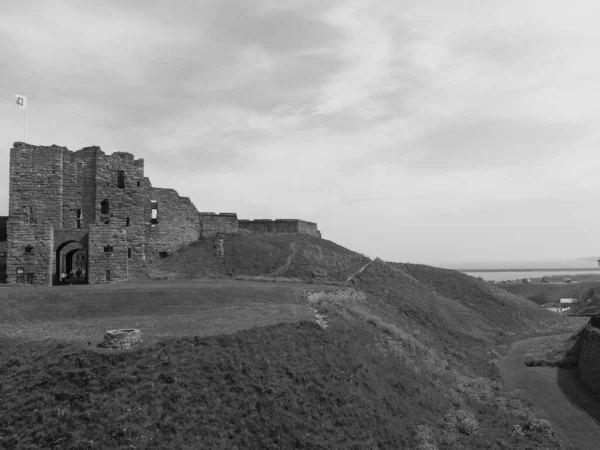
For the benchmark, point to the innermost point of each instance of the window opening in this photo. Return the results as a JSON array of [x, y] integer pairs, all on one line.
[[138, 183], [105, 211], [129, 253], [127, 222], [79, 217], [107, 184], [108, 249], [162, 255], [28, 249], [154, 214], [108, 275], [121, 179], [20, 273], [29, 278]]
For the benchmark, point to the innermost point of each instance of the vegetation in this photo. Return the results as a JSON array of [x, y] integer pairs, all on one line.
[[404, 359], [560, 351], [274, 256]]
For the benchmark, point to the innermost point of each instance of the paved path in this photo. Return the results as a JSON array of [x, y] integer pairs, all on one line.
[[571, 407]]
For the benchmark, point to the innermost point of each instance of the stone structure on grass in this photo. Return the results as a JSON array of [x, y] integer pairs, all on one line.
[[93, 216], [122, 338]]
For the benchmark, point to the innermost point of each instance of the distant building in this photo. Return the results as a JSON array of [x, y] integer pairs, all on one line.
[[558, 309], [564, 301]]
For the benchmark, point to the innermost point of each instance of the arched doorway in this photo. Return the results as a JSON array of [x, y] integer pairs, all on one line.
[[72, 263]]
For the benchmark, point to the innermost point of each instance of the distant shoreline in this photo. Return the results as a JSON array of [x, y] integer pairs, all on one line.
[[587, 269]]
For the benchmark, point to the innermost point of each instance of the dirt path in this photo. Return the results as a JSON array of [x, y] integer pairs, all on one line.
[[293, 252], [360, 270], [571, 407]]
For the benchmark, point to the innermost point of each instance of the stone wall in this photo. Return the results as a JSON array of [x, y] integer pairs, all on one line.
[[589, 359], [129, 203], [280, 226], [107, 254], [177, 226], [35, 185], [212, 224], [30, 252], [79, 187]]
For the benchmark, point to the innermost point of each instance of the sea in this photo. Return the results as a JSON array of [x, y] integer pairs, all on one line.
[[517, 270]]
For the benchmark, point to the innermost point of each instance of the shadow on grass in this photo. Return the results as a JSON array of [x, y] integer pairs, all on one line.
[[578, 392]]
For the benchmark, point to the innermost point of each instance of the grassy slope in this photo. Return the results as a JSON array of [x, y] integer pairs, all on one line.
[[406, 362], [293, 256]]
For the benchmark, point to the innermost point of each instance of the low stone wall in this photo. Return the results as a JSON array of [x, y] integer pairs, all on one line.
[[589, 359], [123, 338], [294, 226]]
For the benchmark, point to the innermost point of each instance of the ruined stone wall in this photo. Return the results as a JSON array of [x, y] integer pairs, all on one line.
[[212, 224], [79, 187], [35, 264], [279, 226], [129, 205], [309, 228], [107, 266], [35, 186], [178, 224], [589, 359]]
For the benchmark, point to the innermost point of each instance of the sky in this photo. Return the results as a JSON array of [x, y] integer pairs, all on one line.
[[424, 131]]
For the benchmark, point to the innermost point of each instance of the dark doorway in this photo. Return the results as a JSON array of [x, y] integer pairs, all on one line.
[[71, 264]]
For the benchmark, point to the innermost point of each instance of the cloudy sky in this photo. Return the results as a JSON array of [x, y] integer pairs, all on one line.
[[413, 130]]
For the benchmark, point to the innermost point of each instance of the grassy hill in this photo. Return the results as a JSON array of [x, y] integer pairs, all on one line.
[[248, 254], [404, 358]]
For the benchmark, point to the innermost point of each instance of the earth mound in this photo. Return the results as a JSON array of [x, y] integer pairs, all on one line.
[[261, 255]]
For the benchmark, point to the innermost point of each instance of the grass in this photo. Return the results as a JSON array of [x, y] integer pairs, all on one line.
[[161, 309], [543, 293], [560, 351], [403, 359], [285, 256]]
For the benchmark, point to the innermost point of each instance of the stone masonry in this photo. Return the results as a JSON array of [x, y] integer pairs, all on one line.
[[102, 208]]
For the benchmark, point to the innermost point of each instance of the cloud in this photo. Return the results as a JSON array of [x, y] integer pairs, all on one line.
[[408, 114]]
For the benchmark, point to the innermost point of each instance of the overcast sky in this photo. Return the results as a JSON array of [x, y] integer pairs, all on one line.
[[415, 130]]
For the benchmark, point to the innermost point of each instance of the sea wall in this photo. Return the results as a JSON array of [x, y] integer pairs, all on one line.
[[589, 359]]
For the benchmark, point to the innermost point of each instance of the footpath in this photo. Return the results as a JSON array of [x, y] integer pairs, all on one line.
[[572, 408]]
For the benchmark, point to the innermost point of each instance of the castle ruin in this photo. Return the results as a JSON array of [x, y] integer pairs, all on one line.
[[97, 215]]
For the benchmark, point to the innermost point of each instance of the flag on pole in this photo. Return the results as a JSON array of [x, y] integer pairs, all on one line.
[[20, 101]]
